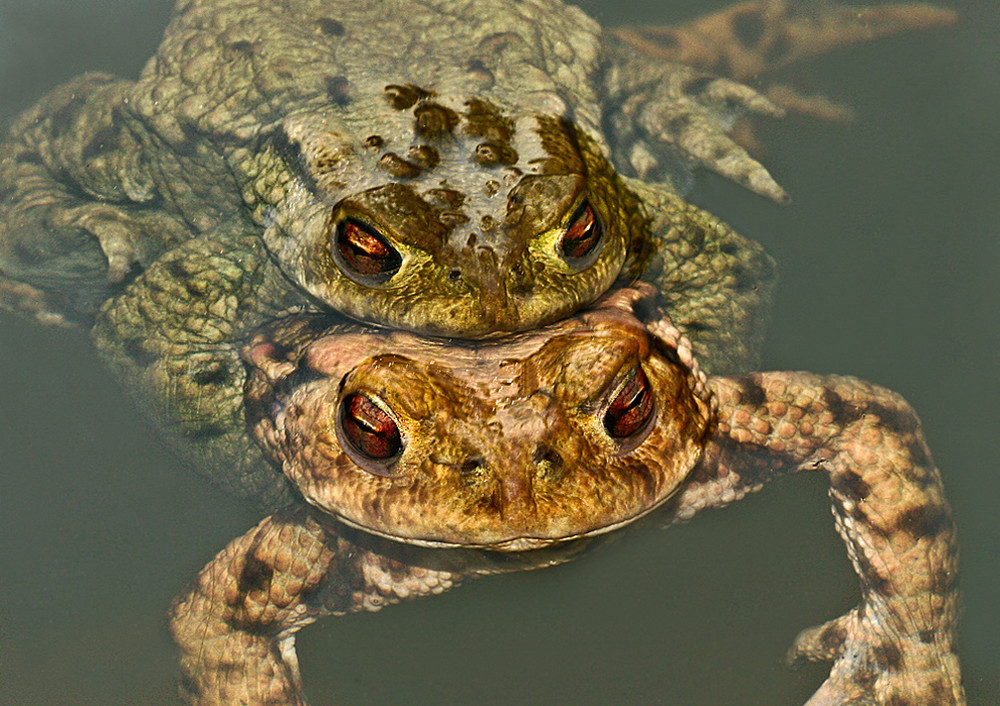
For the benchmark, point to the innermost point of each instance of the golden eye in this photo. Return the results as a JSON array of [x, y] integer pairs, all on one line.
[[370, 430], [583, 237], [631, 408], [363, 253]]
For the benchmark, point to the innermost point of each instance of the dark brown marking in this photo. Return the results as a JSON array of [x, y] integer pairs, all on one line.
[[291, 153], [398, 167], [678, 124], [255, 576], [865, 677], [424, 155], [743, 279], [927, 636], [448, 198], [850, 485], [751, 393], [888, 656], [188, 686], [898, 700], [748, 28], [870, 576], [216, 374], [483, 119], [924, 521], [330, 27], [833, 637], [434, 120], [897, 419], [494, 153], [404, 95], [374, 141], [843, 413], [338, 90], [918, 453], [239, 48], [729, 247], [63, 119], [104, 139]]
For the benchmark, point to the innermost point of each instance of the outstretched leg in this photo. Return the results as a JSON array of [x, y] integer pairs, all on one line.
[[897, 646]]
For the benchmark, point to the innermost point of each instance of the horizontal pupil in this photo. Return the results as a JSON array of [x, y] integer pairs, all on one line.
[[630, 409], [365, 252], [370, 429]]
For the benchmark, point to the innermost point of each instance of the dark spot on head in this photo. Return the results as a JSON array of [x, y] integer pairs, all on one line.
[[188, 686], [484, 119], [898, 700], [743, 279], [927, 636], [748, 27], [330, 27], [887, 656], [434, 120], [338, 90], [398, 167], [850, 485], [215, 374], [918, 452], [865, 677], [403, 95], [751, 393], [374, 141], [779, 48], [924, 521], [493, 153], [695, 85], [455, 275], [843, 412], [424, 155]]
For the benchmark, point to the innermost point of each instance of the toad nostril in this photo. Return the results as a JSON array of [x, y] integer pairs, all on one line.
[[455, 275], [549, 462]]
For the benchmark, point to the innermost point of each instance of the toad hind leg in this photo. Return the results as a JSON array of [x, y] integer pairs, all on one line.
[[897, 646]]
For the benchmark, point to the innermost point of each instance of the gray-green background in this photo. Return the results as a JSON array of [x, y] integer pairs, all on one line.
[[889, 259]]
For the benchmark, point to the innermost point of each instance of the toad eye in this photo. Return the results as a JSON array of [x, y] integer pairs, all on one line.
[[631, 409], [363, 254], [370, 430], [583, 238]]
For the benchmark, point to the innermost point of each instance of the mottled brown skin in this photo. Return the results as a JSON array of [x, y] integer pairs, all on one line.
[[236, 624]]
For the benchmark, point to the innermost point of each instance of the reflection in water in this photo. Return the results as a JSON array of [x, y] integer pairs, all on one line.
[[399, 245]]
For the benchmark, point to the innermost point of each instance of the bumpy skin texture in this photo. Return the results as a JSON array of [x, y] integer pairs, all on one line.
[[236, 624], [467, 135], [282, 155]]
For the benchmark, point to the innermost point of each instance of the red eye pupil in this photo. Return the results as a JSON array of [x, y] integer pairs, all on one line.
[[583, 235], [369, 428], [631, 409], [365, 252]]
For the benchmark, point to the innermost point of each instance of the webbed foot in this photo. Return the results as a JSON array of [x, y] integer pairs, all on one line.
[[875, 665]]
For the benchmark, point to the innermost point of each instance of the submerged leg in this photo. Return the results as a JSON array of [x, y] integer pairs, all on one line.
[[78, 212], [898, 645]]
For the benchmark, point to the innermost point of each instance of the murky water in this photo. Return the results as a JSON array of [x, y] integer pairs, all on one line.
[[889, 258]]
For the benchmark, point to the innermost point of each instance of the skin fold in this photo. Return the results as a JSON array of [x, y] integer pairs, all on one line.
[[632, 428]]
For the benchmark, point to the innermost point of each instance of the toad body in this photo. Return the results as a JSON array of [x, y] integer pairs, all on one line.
[[427, 464], [446, 167]]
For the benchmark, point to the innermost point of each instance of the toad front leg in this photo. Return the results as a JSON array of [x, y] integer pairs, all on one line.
[[897, 646]]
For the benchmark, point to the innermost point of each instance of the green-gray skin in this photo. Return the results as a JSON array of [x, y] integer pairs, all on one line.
[[441, 168]]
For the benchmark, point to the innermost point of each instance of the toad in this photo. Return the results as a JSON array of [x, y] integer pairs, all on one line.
[[425, 463]]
